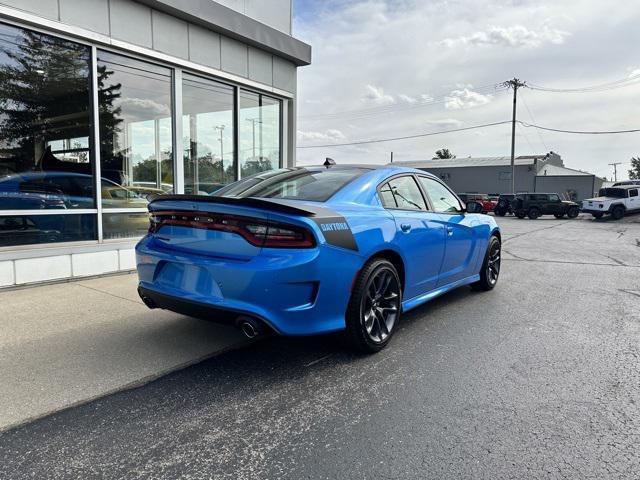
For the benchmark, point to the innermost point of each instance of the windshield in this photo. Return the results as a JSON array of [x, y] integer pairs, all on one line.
[[612, 192], [316, 185]]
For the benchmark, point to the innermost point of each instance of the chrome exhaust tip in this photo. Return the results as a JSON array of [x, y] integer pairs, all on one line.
[[249, 330], [249, 326]]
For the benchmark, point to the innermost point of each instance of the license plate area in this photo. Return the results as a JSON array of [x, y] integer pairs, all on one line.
[[188, 278]]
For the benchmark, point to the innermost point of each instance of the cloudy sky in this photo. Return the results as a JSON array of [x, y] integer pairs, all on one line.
[[390, 68]]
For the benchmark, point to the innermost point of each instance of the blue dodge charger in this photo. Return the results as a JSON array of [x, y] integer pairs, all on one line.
[[310, 250]]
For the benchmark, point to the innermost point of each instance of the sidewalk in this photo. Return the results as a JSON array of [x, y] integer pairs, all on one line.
[[69, 343]]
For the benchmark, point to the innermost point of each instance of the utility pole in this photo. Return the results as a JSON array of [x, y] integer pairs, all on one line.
[[615, 170], [253, 131], [391, 157], [515, 83], [221, 140]]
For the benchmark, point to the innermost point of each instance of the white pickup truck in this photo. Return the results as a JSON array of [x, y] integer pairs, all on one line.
[[615, 201]]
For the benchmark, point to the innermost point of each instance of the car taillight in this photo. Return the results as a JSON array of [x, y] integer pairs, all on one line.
[[258, 232]]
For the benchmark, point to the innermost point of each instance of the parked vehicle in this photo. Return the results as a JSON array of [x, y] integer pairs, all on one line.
[[504, 204], [615, 201], [487, 203], [535, 204], [626, 182], [310, 250]]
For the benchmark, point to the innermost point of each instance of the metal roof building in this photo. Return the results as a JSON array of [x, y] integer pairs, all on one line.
[[492, 175]]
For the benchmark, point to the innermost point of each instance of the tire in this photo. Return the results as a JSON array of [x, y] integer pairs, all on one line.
[[573, 212], [520, 214], [490, 266], [499, 212], [374, 307], [534, 213], [597, 215], [618, 212], [558, 215]]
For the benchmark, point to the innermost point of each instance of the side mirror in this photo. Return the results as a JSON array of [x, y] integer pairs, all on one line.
[[474, 207]]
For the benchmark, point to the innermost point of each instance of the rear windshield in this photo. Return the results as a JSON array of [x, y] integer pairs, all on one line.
[[613, 192], [316, 185]]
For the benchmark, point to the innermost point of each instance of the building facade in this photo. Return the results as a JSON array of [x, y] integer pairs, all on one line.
[[104, 103], [492, 175]]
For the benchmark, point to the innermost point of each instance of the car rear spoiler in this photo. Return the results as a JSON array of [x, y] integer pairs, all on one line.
[[276, 205], [334, 227]]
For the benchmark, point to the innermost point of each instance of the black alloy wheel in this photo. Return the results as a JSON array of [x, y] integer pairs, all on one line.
[[375, 306], [573, 212], [534, 213], [618, 212], [490, 267]]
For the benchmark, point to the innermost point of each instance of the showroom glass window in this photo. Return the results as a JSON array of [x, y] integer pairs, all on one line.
[[259, 136], [136, 146], [46, 161], [208, 134]]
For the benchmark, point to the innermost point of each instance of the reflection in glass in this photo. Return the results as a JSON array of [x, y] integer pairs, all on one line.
[[135, 130], [259, 139], [45, 156], [124, 225], [32, 229], [207, 135]]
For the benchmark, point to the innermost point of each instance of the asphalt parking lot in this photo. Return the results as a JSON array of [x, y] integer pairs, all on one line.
[[538, 379]]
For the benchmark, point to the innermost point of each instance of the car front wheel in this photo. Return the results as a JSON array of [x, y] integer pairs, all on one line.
[[375, 306], [573, 212], [617, 213], [490, 267]]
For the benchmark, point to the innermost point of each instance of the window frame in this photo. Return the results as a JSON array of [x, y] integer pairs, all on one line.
[[463, 205], [415, 179]]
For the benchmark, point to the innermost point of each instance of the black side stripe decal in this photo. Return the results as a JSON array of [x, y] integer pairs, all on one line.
[[336, 231]]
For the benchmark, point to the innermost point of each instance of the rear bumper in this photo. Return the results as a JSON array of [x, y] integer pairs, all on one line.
[[294, 292], [203, 311]]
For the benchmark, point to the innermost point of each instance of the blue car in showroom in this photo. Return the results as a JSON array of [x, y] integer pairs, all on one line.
[[310, 250]]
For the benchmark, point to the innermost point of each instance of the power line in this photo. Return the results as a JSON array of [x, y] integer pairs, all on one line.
[[620, 83], [428, 134], [579, 132], [546, 149]]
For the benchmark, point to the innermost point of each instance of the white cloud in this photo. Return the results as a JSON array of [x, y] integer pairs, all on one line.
[[330, 134], [513, 36], [634, 73], [406, 98], [376, 95], [444, 123], [465, 98]]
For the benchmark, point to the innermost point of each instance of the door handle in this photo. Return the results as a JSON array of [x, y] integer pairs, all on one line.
[[449, 231], [405, 227]]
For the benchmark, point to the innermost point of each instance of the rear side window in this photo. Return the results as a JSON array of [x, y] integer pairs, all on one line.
[[633, 192], [441, 197], [403, 193]]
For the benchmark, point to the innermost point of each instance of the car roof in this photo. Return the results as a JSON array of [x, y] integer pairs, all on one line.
[[626, 187]]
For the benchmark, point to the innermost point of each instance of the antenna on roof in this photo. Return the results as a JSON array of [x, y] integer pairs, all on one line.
[[329, 162]]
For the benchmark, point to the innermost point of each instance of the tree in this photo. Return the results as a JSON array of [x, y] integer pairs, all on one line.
[[634, 172], [444, 153]]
